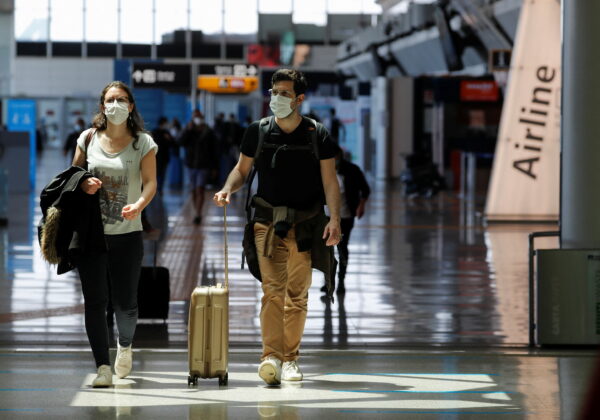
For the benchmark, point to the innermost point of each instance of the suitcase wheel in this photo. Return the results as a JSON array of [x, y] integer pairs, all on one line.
[[192, 380], [223, 379]]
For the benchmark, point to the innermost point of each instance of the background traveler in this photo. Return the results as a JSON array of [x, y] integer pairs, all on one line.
[[201, 158], [164, 140], [355, 192], [336, 127], [71, 141]]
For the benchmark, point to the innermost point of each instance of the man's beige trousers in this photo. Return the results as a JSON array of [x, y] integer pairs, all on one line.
[[286, 278]]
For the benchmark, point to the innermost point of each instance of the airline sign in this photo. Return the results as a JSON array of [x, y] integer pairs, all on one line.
[[525, 182]]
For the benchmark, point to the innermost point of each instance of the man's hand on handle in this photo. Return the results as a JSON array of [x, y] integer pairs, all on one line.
[[222, 198]]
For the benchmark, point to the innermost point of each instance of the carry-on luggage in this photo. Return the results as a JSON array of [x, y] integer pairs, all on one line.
[[154, 291], [208, 328]]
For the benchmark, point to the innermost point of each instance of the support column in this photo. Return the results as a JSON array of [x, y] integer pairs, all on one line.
[[7, 52], [580, 175]]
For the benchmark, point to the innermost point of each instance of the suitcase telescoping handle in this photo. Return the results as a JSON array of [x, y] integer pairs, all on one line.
[[225, 247]]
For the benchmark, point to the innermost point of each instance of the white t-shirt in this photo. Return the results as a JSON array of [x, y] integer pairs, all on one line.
[[344, 209], [121, 178]]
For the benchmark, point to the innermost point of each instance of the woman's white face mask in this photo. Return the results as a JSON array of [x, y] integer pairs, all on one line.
[[116, 112], [281, 106]]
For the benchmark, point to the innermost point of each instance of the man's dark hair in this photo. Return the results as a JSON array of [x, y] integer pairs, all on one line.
[[291, 75]]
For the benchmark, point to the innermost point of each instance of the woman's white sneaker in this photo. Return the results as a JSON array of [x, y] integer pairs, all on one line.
[[270, 370], [123, 361], [104, 377], [291, 371]]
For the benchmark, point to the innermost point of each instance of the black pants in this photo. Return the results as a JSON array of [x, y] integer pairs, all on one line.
[[346, 224], [117, 271]]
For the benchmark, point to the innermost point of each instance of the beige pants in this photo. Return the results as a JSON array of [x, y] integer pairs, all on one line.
[[286, 278]]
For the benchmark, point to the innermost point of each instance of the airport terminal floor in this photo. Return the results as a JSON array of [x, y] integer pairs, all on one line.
[[433, 324]]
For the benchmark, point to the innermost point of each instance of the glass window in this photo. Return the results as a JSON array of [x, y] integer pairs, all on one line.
[[240, 17], [136, 22], [316, 13], [31, 20], [101, 21], [170, 16], [282, 6], [206, 16], [66, 23], [354, 6]]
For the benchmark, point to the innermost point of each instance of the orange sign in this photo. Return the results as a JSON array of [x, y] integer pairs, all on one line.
[[478, 90], [228, 84]]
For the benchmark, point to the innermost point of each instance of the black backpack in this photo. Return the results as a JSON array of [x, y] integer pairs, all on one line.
[[249, 253], [264, 128]]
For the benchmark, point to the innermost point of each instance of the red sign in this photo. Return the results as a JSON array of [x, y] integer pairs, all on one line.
[[478, 90], [263, 55]]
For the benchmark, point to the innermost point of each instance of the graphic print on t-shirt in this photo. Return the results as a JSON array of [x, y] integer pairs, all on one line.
[[113, 195]]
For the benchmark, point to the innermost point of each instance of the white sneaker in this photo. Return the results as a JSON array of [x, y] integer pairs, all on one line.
[[104, 378], [291, 371], [270, 370], [123, 361]]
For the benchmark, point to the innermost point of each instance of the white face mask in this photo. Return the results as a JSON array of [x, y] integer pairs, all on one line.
[[198, 120], [116, 113], [281, 106]]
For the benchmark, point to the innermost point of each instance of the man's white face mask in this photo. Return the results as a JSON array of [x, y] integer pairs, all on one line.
[[116, 112], [281, 106]]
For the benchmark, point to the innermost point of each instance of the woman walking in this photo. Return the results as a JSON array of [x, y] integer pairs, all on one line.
[[122, 160]]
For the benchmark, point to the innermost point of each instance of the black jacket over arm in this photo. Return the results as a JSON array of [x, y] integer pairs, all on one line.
[[355, 185], [80, 228]]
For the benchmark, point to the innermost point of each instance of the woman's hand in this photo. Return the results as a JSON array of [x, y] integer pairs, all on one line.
[[91, 185], [130, 211]]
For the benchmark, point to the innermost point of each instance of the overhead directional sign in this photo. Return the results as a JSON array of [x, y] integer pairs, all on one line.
[[238, 70], [157, 75], [226, 84], [228, 78]]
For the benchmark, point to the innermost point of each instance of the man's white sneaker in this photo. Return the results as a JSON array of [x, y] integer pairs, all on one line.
[[270, 370], [123, 361], [291, 371], [104, 377]]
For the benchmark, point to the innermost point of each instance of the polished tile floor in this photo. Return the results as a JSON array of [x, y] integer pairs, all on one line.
[[434, 324]]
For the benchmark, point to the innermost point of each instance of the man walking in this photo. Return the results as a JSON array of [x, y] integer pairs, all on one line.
[[355, 192], [296, 177], [201, 158]]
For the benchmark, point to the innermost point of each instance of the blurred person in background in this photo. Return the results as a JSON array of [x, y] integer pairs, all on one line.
[[175, 163], [71, 141], [229, 146], [336, 127], [164, 140], [355, 192], [201, 158]]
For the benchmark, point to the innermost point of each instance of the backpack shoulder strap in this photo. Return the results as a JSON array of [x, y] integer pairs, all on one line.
[[264, 127], [313, 136]]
